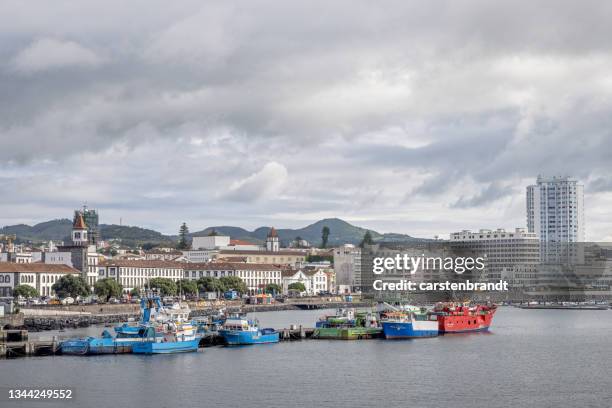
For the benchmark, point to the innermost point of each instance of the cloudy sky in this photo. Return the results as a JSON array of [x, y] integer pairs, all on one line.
[[417, 117]]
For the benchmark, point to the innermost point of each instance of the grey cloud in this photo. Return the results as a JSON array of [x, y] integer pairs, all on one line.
[[488, 195], [479, 93]]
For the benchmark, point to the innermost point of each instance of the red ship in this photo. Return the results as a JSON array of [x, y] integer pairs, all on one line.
[[461, 319]]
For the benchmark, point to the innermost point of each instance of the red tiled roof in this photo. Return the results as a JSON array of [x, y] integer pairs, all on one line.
[[272, 233], [142, 263], [219, 266], [79, 223], [240, 242], [254, 252], [8, 267]]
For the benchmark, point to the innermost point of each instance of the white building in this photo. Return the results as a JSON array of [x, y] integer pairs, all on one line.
[[291, 276], [210, 242], [347, 266], [255, 276], [555, 213], [136, 274], [504, 250], [314, 280], [200, 255], [272, 242], [37, 275], [555, 209]]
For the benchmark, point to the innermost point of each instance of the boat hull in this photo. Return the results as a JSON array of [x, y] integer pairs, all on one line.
[[465, 323], [410, 330], [166, 347], [235, 338], [93, 346], [347, 333]]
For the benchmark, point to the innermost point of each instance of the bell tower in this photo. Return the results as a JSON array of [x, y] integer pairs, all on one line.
[[272, 243], [79, 231]]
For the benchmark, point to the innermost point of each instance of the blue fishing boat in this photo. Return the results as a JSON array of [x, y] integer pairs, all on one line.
[[149, 329], [107, 343], [237, 330], [409, 324], [176, 337]]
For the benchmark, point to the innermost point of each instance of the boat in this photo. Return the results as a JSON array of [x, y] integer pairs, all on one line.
[[174, 337], [150, 328], [410, 324], [239, 330], [107, 343], [458, 318], [348, 325]]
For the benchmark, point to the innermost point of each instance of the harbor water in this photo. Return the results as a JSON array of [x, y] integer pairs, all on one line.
[[530, 358]]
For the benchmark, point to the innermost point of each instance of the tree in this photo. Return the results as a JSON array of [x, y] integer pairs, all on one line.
[[26, 291], [183, 232], [209, 284], [297, 242], [324, 236], [107, 288], [367, 239], [166, 286], [299, 286], [188, 287], [70, 286], [273, 289], [135, 292], [233, 282], [320, 258]]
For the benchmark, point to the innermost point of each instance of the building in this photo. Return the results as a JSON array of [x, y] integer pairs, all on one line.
[[37, 275], [347, 266], [272, 242], [211, 241], [200, 255], [158, 255], [241, 245], [279, 257], [83, 256], [255, 276], [315, 280], [291, 276], [90, 217], [504, 250], [555, 213], [136, 273], [17, 257]]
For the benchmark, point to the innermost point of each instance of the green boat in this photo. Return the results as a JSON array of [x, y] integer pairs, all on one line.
[[348, 325]]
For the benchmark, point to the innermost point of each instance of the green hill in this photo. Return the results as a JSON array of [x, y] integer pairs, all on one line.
[[340, 232]]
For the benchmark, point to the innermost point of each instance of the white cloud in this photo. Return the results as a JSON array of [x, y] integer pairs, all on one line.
[[266, 184], [49, 54]]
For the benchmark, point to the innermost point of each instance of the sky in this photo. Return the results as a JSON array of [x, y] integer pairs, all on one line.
[[400, 116]]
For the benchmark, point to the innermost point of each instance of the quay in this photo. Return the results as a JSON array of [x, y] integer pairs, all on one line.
[[15, 343]]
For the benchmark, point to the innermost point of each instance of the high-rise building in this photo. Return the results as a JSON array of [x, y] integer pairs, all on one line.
[[555, 213], [555, 209]]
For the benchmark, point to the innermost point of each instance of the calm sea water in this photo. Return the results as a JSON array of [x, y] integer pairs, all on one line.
[[536, 358]]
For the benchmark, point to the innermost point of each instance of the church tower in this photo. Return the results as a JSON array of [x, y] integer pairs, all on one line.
[[272, 243], [79, 231]]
